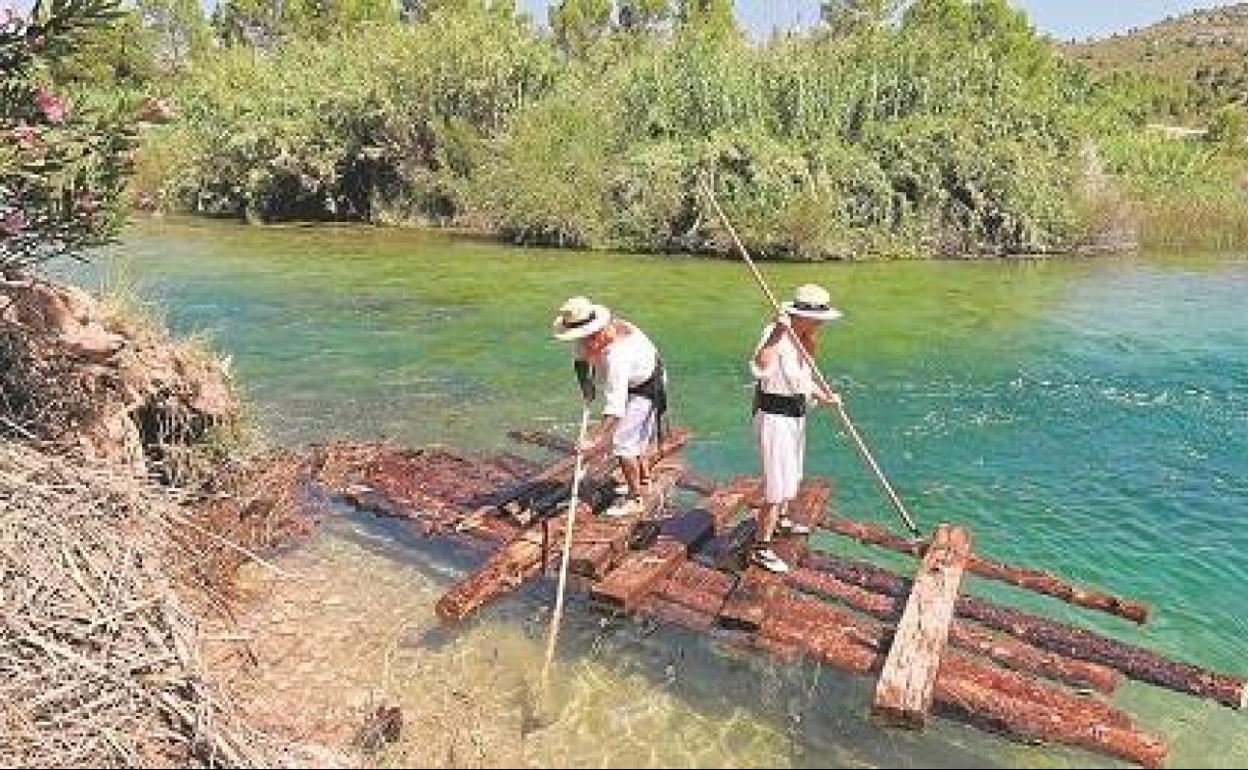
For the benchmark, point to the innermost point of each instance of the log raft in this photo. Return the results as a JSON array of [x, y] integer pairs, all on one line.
[[998, 668]]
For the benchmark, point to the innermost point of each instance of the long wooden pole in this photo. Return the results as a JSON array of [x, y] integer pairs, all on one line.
[[863, 450], [574, 502]]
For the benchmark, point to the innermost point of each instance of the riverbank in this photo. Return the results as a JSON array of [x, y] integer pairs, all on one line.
[[958, 131]]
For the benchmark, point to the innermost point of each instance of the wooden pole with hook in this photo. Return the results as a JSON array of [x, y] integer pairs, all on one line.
[[861, 445]]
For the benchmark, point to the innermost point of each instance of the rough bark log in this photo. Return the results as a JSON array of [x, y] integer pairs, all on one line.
[[1012, 703], [642, 571], [606, 544], [1031, 579], [749, 601], [903, 695], [1136, 662]]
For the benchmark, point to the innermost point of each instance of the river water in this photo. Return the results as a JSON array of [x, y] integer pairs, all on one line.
[[1090, 417]]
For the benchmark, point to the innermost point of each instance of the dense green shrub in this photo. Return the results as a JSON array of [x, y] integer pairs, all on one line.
[[955, 130]]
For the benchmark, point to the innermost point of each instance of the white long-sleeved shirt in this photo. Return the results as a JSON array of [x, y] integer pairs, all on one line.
[[628, 361], [788, 374]]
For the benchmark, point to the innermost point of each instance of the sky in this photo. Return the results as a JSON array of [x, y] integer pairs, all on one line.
[[1063, 19]]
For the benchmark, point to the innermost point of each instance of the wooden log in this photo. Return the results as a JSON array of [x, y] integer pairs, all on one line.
[[638, 574], [697, 587], [1020, 719], [598, 553], [748, 603], [965, 689], [1011, 703], [1133, 661], [1005, 650], [505, 569], [677, 614], [1036, 580], [903, 695], [642, 571]]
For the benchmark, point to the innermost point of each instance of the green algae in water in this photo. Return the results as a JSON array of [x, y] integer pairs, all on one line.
[[1089, 417]]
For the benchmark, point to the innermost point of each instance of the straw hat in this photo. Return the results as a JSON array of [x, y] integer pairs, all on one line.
[[812, 301], [579, 317]]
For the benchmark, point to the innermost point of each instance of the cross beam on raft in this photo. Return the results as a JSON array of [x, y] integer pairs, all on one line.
[[903, 695], [1136, 662], [1031, 579]]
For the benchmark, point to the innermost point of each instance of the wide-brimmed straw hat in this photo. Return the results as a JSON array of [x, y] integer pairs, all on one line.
[[812, 301], [579, 317]]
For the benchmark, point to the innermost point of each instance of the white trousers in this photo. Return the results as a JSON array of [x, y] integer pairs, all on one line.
[[782, 454], [636, 428]]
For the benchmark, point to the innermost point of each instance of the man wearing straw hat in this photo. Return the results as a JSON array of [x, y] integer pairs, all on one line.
[[634, 391], [783, 387]]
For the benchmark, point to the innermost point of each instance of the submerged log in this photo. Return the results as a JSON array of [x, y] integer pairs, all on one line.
[[508, 567], [1005, 650], [1020, 719], [1136, 662], [1031, 579], [903, 695]]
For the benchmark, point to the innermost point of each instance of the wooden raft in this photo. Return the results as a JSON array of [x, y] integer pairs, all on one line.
[[933, 650]]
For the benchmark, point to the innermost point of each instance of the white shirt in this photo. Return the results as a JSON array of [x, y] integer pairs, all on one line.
[[628, 361], [788, 374]]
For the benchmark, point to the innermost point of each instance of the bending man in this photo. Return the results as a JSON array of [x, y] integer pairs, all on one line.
[[628, 364], [783, 387]]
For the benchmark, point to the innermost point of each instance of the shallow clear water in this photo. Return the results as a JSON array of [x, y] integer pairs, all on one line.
[[1090, 417]]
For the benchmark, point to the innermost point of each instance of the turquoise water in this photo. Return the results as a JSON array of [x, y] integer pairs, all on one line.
[[1090, 417]]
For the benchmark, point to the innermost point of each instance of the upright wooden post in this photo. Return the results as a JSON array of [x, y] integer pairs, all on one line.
[[903, 696]]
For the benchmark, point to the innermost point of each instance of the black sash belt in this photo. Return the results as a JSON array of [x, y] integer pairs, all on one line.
[[653, 389], [774, 403]]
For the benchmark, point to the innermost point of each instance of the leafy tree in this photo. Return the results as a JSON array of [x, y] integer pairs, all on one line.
[[580, 24], [848, 17], [63, 165], [643, 16], [180, 31], [713, 19], [264, 23], [1229, 128]]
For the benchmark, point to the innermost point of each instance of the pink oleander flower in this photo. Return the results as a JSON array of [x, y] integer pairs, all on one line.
[[26, 136], [13, 222], [52, 106]]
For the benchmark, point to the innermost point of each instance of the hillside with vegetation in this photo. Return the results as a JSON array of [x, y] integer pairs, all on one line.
[[891, 129], [1202, 56]]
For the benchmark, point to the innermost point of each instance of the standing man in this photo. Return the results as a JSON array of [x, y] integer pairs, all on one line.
[[634, 393], [783, 387]]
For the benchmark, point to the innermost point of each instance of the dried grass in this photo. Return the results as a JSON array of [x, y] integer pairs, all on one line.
[[99, 647]]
